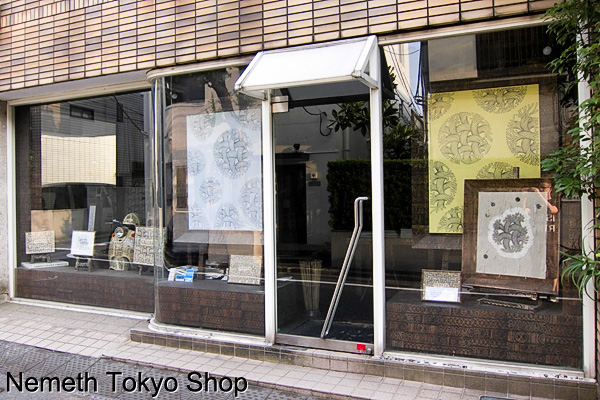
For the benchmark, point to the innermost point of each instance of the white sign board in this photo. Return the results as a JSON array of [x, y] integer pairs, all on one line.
[[435, 293]]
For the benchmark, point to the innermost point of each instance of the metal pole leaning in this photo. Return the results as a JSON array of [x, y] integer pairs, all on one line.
[[358, 224]]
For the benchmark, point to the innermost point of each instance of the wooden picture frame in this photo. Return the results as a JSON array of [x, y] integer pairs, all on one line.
[[490, 258]]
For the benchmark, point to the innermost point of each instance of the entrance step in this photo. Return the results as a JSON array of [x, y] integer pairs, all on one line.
[[452, 375]]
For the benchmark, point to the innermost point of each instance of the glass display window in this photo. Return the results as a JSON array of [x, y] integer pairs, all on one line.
[[84, 189], [472, 265], [211, 205]]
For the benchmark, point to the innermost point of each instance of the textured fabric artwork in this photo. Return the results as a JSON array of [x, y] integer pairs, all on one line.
[[245, 269], [511, 234], [224, 171], [478, 134], [148, 249], [39, 242]]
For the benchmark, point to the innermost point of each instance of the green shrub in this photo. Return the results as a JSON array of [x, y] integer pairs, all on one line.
[[349, 179]]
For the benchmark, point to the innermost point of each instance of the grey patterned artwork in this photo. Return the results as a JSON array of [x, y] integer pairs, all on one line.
[[196, 161], [233, 153], [201, 126], [228, 218], [197, 219], [39, 242], [210, 191], [250, 121], [511, 234], [224, 171], [251, 200]]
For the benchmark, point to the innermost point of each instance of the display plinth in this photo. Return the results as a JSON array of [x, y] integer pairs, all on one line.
[[217, 305], [470, 329], [49, 264], [102, 288]]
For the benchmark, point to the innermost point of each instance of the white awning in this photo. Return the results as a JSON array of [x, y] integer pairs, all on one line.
[[324, 70]]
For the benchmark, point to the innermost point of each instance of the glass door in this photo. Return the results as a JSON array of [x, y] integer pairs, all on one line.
[[324, 253]]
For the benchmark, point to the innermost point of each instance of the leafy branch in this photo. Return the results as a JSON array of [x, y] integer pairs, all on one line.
[[580, 269], [356, 116], [576, 165]]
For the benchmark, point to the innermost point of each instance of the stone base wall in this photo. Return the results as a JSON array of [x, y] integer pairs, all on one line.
[[124, 290]]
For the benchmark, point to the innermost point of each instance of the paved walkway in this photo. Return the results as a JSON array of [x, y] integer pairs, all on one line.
[[43, 341], [101, 378]]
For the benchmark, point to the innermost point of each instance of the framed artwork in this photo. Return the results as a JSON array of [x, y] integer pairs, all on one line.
[[82, 243], [510, 237], [441, 286], [479, 134], [39, 242], [245, 269]]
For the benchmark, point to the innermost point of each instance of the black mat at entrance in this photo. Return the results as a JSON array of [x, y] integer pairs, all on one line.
[[352, 332]]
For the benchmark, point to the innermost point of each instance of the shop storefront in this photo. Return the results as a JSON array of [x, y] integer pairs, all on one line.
[[377, 195]]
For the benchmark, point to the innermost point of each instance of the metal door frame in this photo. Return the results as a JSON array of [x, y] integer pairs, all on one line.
[[270, 245]]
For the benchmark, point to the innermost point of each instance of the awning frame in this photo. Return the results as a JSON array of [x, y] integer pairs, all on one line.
[[359, 71]]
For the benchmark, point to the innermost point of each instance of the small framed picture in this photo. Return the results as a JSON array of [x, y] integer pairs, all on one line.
[[443, 286], [245, 269], [82, 243], [39, 242]]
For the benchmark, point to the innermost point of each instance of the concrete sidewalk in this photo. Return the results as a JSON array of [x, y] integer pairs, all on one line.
[[45, 341], [75, 376]]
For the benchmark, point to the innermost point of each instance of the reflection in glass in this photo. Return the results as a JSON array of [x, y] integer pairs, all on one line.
[[486, 112], [85, 181], [211, 211], [319, 174]]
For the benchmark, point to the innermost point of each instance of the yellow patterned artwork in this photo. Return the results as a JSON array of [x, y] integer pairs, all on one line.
[[478, 134]]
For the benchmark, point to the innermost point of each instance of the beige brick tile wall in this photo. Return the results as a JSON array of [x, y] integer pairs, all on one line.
[[48, 41]]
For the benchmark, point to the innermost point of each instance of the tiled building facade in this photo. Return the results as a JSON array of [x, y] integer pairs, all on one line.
[[47, 42]]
